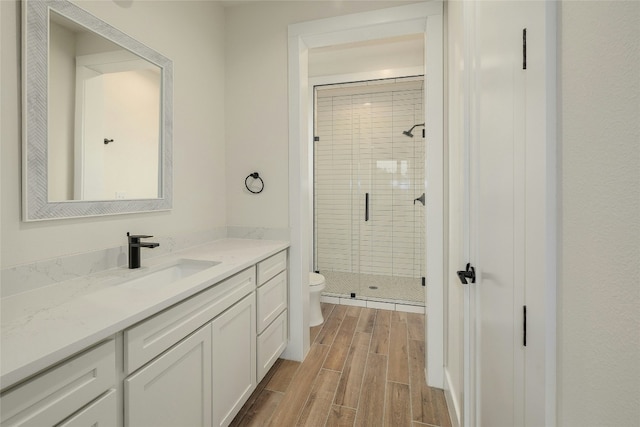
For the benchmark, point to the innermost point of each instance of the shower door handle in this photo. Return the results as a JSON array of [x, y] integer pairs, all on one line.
[[366, 206]]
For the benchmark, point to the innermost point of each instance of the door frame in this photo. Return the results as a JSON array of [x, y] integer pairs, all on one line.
[[420, 18]]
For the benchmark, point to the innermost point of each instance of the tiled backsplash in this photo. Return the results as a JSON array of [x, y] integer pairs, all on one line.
[[362, 149]]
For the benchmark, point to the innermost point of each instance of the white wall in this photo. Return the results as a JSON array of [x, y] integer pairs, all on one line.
[[62, 68], [599, 283], [374, 55], [191, 33], [256, 107]]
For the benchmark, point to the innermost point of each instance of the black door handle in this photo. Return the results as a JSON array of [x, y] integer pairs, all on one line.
[[419, 199], [469, 273]]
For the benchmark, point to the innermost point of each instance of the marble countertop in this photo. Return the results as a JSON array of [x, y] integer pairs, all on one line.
[[44, 326]]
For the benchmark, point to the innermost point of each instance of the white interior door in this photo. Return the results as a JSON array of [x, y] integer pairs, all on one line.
[[498, 176], [508, 184], [89, 146]]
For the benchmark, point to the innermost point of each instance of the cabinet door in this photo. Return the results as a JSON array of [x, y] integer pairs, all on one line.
[[271, 344], [234, 359], [175, 389]]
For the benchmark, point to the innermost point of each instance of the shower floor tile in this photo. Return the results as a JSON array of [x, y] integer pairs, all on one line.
[[375, 287]]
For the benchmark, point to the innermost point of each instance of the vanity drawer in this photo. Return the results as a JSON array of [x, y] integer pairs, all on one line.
[[49, 398], [101, 413], [272, 299], [151, 337], [271, 266], [271, 344]]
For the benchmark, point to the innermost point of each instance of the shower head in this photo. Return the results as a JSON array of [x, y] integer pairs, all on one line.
[[408, 132]]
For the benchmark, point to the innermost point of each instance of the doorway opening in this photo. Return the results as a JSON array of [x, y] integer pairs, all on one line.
[[422, 19]]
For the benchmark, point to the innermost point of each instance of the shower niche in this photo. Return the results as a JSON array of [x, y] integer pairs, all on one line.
[[369, 185]]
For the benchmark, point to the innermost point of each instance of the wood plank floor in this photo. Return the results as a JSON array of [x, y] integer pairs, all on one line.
[[365, 368]]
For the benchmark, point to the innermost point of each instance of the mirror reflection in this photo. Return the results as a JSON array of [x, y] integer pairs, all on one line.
[[104, 109]]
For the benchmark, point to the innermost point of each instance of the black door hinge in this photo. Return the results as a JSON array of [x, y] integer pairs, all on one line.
[[424, 281], [424, 133], [524, 325], [316, 138], [524, 49]]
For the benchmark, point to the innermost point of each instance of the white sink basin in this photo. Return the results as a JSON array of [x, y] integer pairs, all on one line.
[[167, 274]]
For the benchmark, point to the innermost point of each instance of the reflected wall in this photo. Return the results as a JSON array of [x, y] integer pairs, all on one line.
[[104, 118]]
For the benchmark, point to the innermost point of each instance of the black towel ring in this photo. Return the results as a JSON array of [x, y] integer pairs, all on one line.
[[255, 176]]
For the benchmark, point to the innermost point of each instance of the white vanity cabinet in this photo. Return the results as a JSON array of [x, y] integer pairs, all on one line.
[[77, 388], [193, 364], [272, 325], [205, 378]]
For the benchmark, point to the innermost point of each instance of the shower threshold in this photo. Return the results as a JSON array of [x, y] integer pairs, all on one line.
[[375, 288]]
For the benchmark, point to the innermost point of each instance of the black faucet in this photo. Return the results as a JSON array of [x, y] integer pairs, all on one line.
[[134, 248]]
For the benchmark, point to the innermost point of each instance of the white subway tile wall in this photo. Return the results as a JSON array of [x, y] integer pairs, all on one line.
[[362, 149]]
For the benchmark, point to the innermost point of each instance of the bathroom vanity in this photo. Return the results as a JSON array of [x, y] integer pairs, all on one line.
[[117, 349]]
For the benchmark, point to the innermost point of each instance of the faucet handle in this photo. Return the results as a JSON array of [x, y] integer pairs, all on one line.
[[137, 236]]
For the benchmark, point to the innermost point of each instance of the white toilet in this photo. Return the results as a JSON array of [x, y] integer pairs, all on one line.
[[316, 286]]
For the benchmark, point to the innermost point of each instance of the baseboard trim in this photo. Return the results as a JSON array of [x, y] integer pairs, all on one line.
[[373, 303], [453, 406]]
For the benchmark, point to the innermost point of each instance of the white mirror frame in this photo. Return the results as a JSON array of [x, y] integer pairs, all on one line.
[[35, 51]]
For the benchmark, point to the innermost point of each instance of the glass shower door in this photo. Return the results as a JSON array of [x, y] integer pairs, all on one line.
[[369, 232], [391, 177], [376, 187]]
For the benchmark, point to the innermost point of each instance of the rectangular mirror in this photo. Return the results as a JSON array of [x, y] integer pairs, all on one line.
[[97, 117]]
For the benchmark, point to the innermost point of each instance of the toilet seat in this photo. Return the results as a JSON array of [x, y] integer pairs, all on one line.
[[316, 279]]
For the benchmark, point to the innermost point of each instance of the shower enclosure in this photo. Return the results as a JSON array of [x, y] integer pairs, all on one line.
[[369, 157]]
